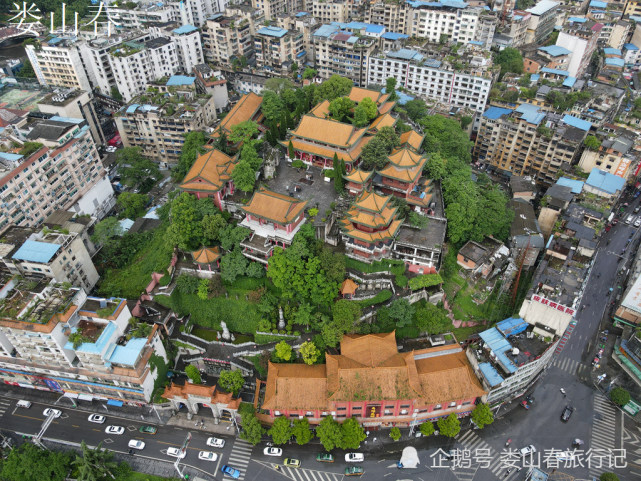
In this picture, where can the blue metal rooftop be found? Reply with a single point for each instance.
(569, 82)
(394, 36)
(326, 30)
(630, 46)
(35, 251)
(534, 77)
(605, 181)
(100, 344)
(128, 354)
(512, 326)
(495, 113)
(499, 346)
(406, 54)
(576, 186)
(273, 32)
(555, 50)
(598, 4)
(576, 122)
(615, 62)
(577, 19)
(530, 113)
(301, 14)
(555, 71)
(490, 374)
(178, 80)
(70, 120)
(185, 29)
(10, 157)
(612, 51)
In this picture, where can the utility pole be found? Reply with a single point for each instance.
(182, 451)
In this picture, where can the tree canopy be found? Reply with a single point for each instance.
(340, 108)
(510, 60)
(231, 381)
(482, 415)
(106, 229)
(132, 205)
(449, 426)
(191, 149)
(374, 154)
(333, 87)
(31, 463)
(364, 112)
(134, 167)
(281, 430)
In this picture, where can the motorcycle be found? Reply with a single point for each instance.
(507, 443)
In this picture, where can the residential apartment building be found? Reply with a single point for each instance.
(211, 82)
(632, 7)
(328, 11)
(542, 21)
(196, 12)
(187, 40)
(467, 85)
(225, 39)
(580, 38)
(519, 21)
(64, 172)
(274, 8)
(58, 255)
(158, 126)
(145, 13)
(452, 20)
(302, 23)
(529, 141)
(341, 53)
(392, 15)
(242, 12)
(135, 65)
(55, 338)
(57, 62)
(615, 155)
(275, 49)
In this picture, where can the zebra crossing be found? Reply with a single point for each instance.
(301, 474)
(4, 405)
(571, 366)
(603, 429)
(472, 442)
(240, 455)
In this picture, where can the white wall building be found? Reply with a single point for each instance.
(452, 20)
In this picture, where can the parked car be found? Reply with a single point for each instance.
(96, 418)
(216, 442)
(528, 450)
(354, 471)
(229, 471)
(567, 412)
(637, 209)
(272, 451)
(629, 219)
(115, 430)
(525, 404)
(176, 452)
(207, 456)
(148, 429)
(354, 457)
(23, 404)
(637, 223)
(291, 463)
(56, 412)
(325, 458)
(136, 444)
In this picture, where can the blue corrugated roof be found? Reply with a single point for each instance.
(132, 108)
(273, 31)
(100, 344)
(555, 71)
(495, 113)
(440, 4)
(530, 113)
(70, 120)
(301, 14)
(432, 62)
(577, 19)
(394, 36)
(555, 50)
(534, 77)
(126, 224)
(512, 326)
(185, 29)
(598, 4)
(576, 122)
(300, 54)
(128, 354)
(542, 7)
(630, 46)
(576, 186)
(611, 51)
(615, 62)
(605, 181)
(406, 54)
(569, 82)
(35, 251)
(325, 30)
(499, 346)
(10, 157)
(490, 374)
(177, 80)
(475, 42)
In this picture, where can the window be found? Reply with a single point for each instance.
(438, 407)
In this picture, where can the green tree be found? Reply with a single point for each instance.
(482, 415)
(252, 429)
(243, 131)
(620, 396)
(186, 230)
(345, 315)
(132, 205)
(591, 142)
(335, 86)
(231, 236)
(374, 155)
(339, 165)
(255, 270)
(303, 315)
(340, 108)
(352, 434)
(510, 60)
(390, 88)
(233, 265)
(333, 263)
(426, 428)
(278, 85)
(329, 433)
(222, 143)
(309, 73)
(435, 166)
(191, 149)
(193, 373)
(26, 71)
(28, 462)
(272, 106)
(244, 176)
(203, 289)
(283, 351)
(402, 312)
(115, 93)
(389, 137)
(309, 352)
(416, 109)
(231, 381)
(212, 227)
(495, 216)
(134, 167)
(94, 464)
(281, 430)
(449, 426)
(445, 136)
(106, 229)
(608, 477)
(302, 431)
(290, 150)
(395, 433)
(364, 112)
(431, 319)
(248, 154)
(465, 121)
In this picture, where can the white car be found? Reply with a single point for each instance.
(111, 148)
(528, 450)
(273, 452)
(216, 442)
(96, 418)
(637, 223)
(207, 456)
(56, 413)
(354, 457)
(136, 444)
(115, 430)
(176, 453)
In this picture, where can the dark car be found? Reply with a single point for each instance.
(229, 471)
(567, 412)
(530, 399)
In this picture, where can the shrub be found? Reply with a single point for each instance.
(426, 280)
(608, 477)
(193, 373)
(620, 396)
(377, 299)
(395, 433)
(298, 164)
(401, 281)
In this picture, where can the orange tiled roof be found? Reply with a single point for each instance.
(385, 120)
(375, 220)
(371, 237)
(328, 132)
(246, 108)
(404, 165)
(413, 139)
(357, 94)
(206, 255)
(348, 287)
(321, 110)
(296, 386)
(278, 208)
(358, 176)
(210, 172)
(371, 201)
(386, 107)
(328, 152)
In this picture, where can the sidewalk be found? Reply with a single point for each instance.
(224, 427)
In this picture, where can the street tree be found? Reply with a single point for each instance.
(231, 381)
(395, 433)
(390, 88)
(94, 464)
(131, 205)
(608, 477)
(283, 351)
(252, 429)
(28, 462)
(281, 430)
(620, 396)
(449, 426)
(106, 229)
(352, 434)
(134, 167)
(193, 373)
(309, 352)
(329, 433)
(427, 428)
(302, 431)
(482, 415)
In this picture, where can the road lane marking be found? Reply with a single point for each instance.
(99, 430)
(29, 417)
(75, 426)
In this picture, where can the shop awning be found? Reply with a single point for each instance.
(113, 402)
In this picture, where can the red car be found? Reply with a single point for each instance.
(525, 404)
(608, 227)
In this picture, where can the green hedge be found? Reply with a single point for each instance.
(426, 280)
(377, 299)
